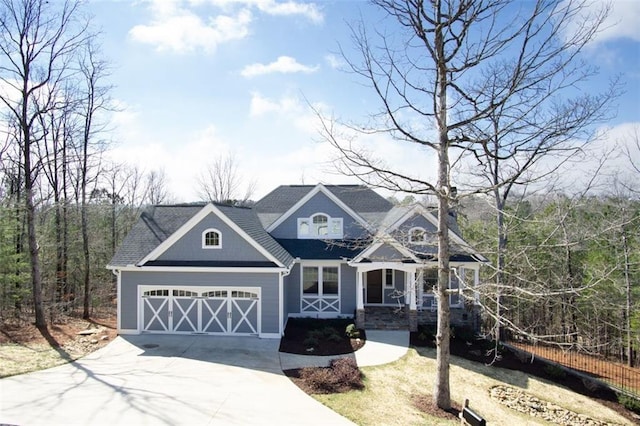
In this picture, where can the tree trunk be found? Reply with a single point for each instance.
(442, 391)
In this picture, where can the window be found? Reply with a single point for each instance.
(156, 293)
(417, 236)
(215, 293)
(211, 239)
(320, 226)
(184, 293)
(310, 280)
(430, 281)
(320, 280)
(243, 294)
(388, 278)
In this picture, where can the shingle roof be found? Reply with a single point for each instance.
(157, 223)
(154, 225)
(361, 199)
(321, 249)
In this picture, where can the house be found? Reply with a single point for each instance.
(302, 251)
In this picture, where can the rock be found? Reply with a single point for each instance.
(88, 332)
(525, 403)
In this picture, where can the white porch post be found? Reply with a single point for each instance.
(359, 291)
(411, 290)
(360, 315)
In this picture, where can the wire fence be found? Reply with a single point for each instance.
(604, 368)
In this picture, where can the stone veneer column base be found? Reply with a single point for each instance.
(413, 320)
(360, 318)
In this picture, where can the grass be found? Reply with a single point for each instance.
(390, 389)
(20, 359)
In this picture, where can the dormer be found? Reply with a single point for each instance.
(320, 226)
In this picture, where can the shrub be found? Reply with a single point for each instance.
(629, 402)
(311, 342)
(352, 332)
(346, 370)
(463, 333)
(342, 375)
(555, 371)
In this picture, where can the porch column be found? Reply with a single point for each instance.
(359, 300)
(410, 290)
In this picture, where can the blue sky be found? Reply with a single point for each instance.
(196, 79)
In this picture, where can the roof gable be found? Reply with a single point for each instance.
(360, 202)
(288, 196)
(403, 218)
(160, 228)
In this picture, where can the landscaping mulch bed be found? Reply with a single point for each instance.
(308, 336)
(342, 375)
(425, 404)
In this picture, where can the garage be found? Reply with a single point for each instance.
(200, 310)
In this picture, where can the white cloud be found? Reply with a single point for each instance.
(276, 8)
(180, 30)
(261, 106)
(334, 61)
(623, 20)
(284, 65)
(184, 26)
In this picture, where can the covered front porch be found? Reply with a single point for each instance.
(399, 295)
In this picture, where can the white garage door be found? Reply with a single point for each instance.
(207, 310)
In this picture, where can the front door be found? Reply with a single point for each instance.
(374, 286)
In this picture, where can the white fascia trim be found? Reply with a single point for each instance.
(197, 218)
(397, 266)
(128, 331)
(201, 269)
(320, 188)
(324, 262)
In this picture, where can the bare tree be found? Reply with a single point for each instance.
(93, 100)
(445, 71)
(37, 39)
(156, 187)
(222, 183)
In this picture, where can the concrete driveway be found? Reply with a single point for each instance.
(170, 380)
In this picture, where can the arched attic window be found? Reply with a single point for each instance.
(211, 239)
(417, 235)
(320, 226)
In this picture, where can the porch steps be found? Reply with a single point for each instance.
(385, 318)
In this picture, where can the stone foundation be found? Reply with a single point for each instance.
(360, 318)
(413, 319)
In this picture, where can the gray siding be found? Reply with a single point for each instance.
(266, 281)
(386, 253)
(292, 284)
(234, 247)
(319, 203)
(347, 290)
(401, 234)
